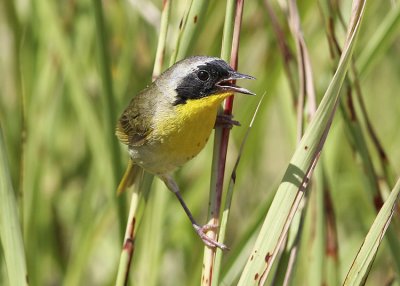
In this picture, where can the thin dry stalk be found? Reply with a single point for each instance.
(129, 238)
(222, 145)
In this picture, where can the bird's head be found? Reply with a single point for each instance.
(201, 76)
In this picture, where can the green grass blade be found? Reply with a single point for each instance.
(10, 228)
(140, 192)
(305, 94)
(110, 116)
(221, 137)
(190, 29)
(386, 33)
(238, 255)
(139, 199)
(85, 110)
(361, 266)
(290, 190)
(228, 30)
(162, 38)
(332, 256)
(150, 240)
(128, 247)
(372, 179)
(316, 239)
(228, 199)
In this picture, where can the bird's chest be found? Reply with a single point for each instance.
(178, 135)
(183, 136)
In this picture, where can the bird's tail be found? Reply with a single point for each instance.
(129, 177)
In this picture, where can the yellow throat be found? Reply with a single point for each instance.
(184, 134)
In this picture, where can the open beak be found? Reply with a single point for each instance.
(227, 85)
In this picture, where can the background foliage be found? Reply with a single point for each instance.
(53, 114)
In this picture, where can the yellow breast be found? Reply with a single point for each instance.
(181, 136)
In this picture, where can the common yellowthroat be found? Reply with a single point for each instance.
(169, 122)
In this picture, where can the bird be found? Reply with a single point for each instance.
(169, 122)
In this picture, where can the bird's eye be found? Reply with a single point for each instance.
(203, 75)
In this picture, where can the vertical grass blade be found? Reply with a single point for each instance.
(10, 228)
(137, 205)
(387, 32)
(306, 93)
(228, 200)
(361, 266)
(331, 243)
(230, 48)
(296, 178)
(316, 240)
(190, 27)
(159, 61)
(110, 116)
(129, 242)
(147, 179)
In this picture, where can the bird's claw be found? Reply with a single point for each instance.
(202, 230)
(226, 121)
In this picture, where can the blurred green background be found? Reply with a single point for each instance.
(53, 116)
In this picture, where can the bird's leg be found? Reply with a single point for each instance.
(200, 230)
(226, 121)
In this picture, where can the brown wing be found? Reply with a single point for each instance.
(129, 132)
(134, 125)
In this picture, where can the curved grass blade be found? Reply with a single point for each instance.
(10, 228)
(237, 258)
(356, 118)
(300, 168)
(361, 266)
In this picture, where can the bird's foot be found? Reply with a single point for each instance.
(226, 121)
(202, 230)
